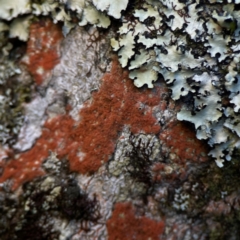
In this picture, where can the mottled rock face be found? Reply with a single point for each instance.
(100, 131)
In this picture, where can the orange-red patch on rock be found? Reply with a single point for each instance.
(42, 49)
(125, 225)
(182, 141)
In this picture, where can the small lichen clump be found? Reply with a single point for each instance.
(195, 47)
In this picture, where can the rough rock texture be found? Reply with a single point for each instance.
(85, 154)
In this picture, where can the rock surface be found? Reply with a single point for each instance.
(85, 154)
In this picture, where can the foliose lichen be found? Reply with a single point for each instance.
(195, 46)
(70, 13)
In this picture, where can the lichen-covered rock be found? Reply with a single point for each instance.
(98, 158)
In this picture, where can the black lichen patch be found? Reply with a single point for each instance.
(73, 203)
(139, 166)
(37, 228)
